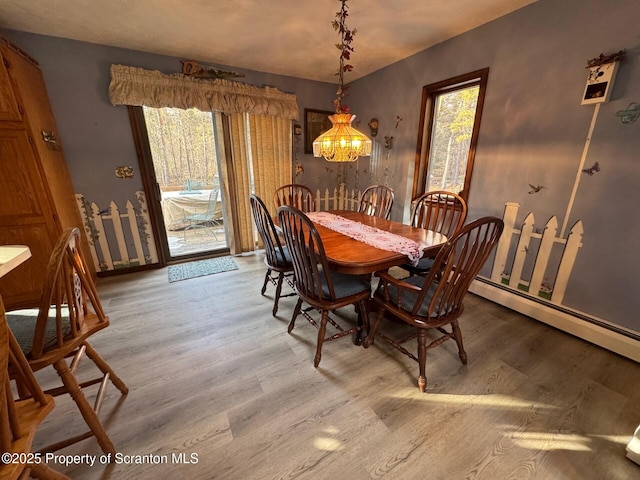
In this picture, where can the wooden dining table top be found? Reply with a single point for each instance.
(11, 256)
(347, 255)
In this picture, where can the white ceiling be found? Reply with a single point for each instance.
(288, 37)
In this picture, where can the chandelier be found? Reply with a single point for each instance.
(342, 143)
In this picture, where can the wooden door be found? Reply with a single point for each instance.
(26, 217)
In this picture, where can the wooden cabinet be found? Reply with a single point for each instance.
(37, 199)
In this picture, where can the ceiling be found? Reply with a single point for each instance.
(287, 37)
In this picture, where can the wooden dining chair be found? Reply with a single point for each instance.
(376, 200)
(435, 301)
(317, 284)
(295, 195)
(277, 256)
(440, 211)
(19, 420)
(69, 313)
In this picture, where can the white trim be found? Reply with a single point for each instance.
(603, 337)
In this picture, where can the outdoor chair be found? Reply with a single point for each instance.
(209, 220)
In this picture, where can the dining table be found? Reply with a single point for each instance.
(11, 256)
(346, 254)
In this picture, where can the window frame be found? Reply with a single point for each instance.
(425, 129)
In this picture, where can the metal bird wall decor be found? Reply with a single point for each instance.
(535, 188)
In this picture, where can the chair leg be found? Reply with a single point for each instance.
(422, 359)
(372, 332)
(278, 291)
(266, 281)
(321, 332)
(88, 413)
(457, 335)
(105, 368)
(363, 322)
(213, 224)
(296, 312)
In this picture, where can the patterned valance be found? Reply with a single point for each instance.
(151, 88)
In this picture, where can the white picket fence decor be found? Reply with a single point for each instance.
(123, 239)
(117, 239)
(339, 199)
(511, 273)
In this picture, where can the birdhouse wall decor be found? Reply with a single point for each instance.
(602, 74)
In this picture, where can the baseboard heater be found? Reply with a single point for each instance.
(591, 329)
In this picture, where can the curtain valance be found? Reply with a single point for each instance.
(137, 86)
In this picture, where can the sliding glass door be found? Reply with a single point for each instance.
(186, 169)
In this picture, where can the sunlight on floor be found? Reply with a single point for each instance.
(328, 444)
(559, 441)
(487, 400)
(530, 440)
(551, 441)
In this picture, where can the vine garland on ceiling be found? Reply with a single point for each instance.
(346, 37)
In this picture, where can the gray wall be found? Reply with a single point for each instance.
(96, 136)
(533, 129)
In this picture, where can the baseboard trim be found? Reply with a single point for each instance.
(592, 330)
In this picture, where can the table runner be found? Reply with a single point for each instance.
(370, 235)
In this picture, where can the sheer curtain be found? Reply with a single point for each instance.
(253, 130)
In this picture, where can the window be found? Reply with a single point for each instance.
(448, 133)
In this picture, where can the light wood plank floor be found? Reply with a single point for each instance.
(212, 374)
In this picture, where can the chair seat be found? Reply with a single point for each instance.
(408, 300)
(345, 285)
(284, 258)
(23, 325)
(424, 265)
(198, 217)
(20, 321)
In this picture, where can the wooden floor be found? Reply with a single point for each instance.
(215, 377)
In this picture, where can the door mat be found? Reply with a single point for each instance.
(200, 268)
